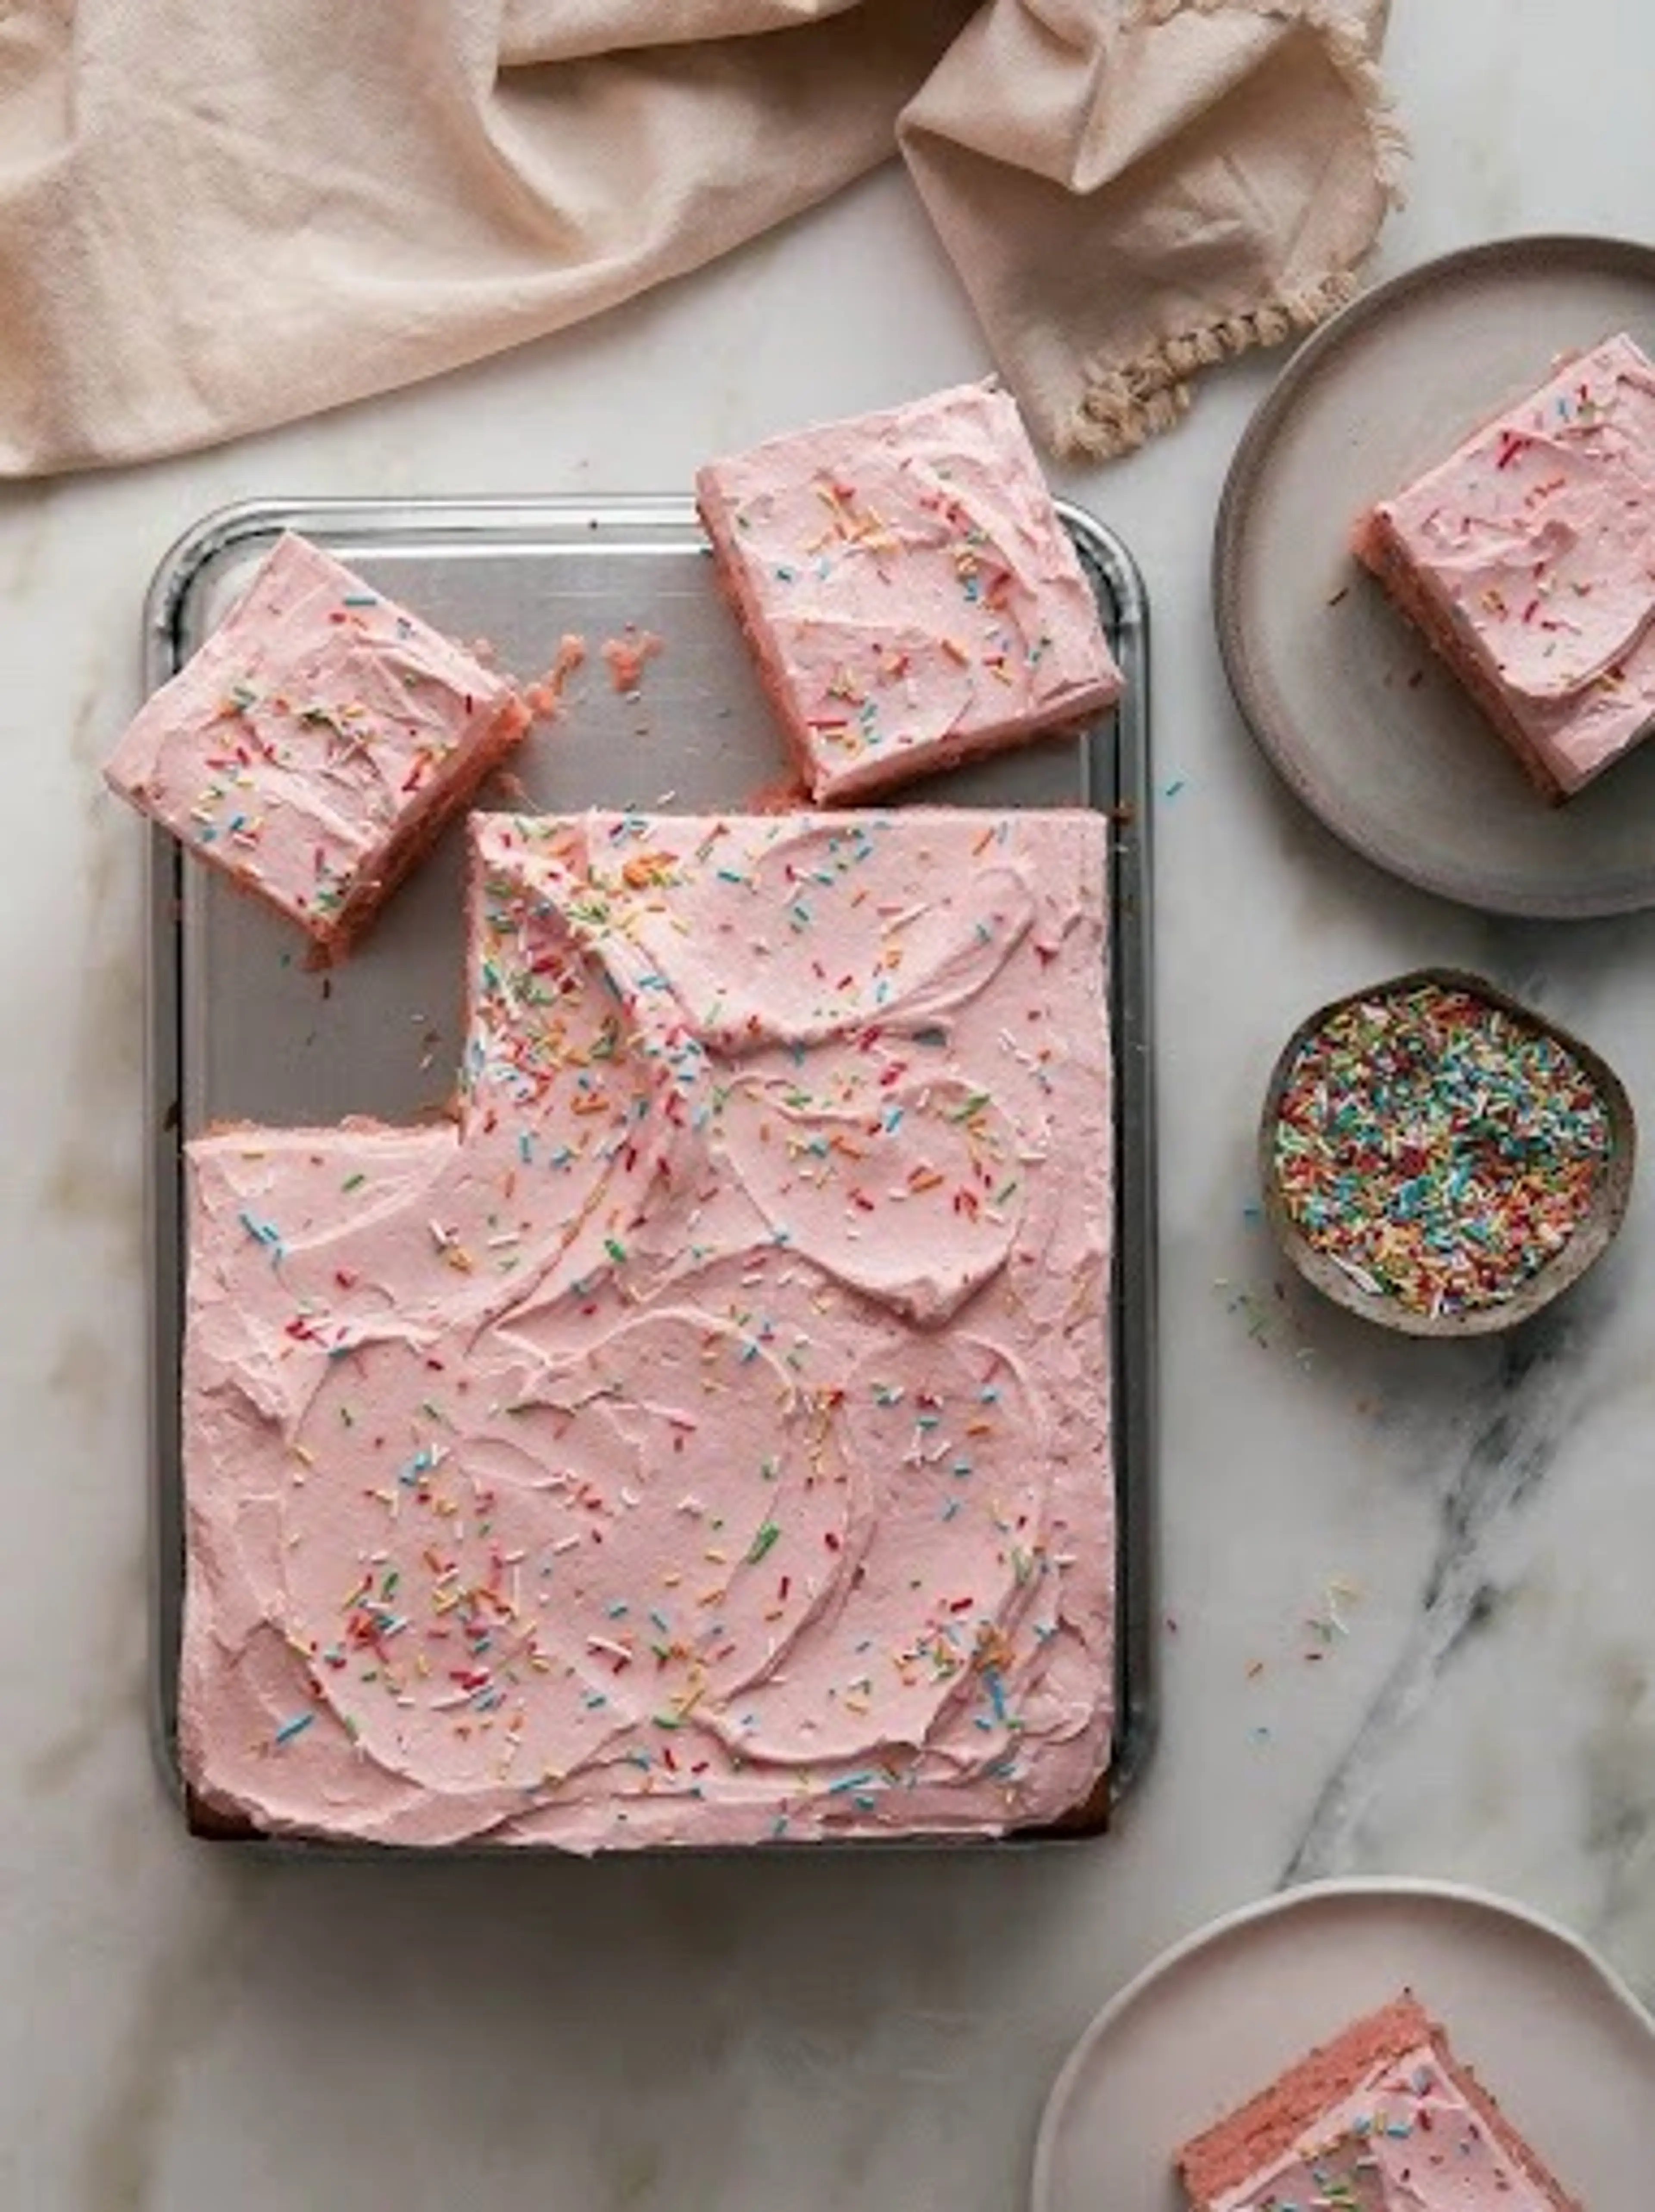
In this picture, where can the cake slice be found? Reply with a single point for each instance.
(910, 595)
(315, 745)
(1527, 558)
(1382, 2117)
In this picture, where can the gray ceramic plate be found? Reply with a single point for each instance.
(1363, 723)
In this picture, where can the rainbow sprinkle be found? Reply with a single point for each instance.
(1437, 1148)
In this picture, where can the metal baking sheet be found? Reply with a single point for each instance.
(241, 1029)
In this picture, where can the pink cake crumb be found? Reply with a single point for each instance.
(544, 695)
(782, 794)
(909, 593)
(317, 743)
(629, 655)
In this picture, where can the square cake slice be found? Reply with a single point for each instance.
(1527, 558)
(1383, 2115)
(315, 745)
(910, 595)
(705, 1437)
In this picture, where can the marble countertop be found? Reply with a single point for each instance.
(188, 2026)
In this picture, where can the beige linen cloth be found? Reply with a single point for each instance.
(217, 214)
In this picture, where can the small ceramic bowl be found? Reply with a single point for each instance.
(1590, 1236)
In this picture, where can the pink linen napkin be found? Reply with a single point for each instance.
(214, 219)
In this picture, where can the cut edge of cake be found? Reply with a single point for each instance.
(1380, 548)
(415, 835)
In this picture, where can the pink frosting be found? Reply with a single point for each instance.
(1407, 2140)
(706, 1440)
(913, 597)
(317, 725)
(1537, 537)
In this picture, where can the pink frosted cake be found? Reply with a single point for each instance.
(317, 743)
(909, 593)
(706, 1440)
(1528, 560)
(1384, 2118)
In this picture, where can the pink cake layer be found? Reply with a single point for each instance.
(911, 599)
(704, 1438)
(318, 742)
(1527, 559)
(1383, 2118)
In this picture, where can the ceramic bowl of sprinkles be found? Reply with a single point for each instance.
(1439, 1158)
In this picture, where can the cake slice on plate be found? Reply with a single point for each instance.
(1384, 2118)
(1527, 558)
(318, 742)
(909, 592)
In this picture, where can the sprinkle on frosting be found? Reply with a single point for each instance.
(1437, 1147)
(707, 1439)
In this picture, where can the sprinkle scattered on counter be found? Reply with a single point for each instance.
(1329, 1627)
(1437, 1148)
(1261, 1315)
(1315, 1637)
(1253, 1312)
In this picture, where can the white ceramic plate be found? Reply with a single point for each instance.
(1557, 2038)
(1364, 723)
